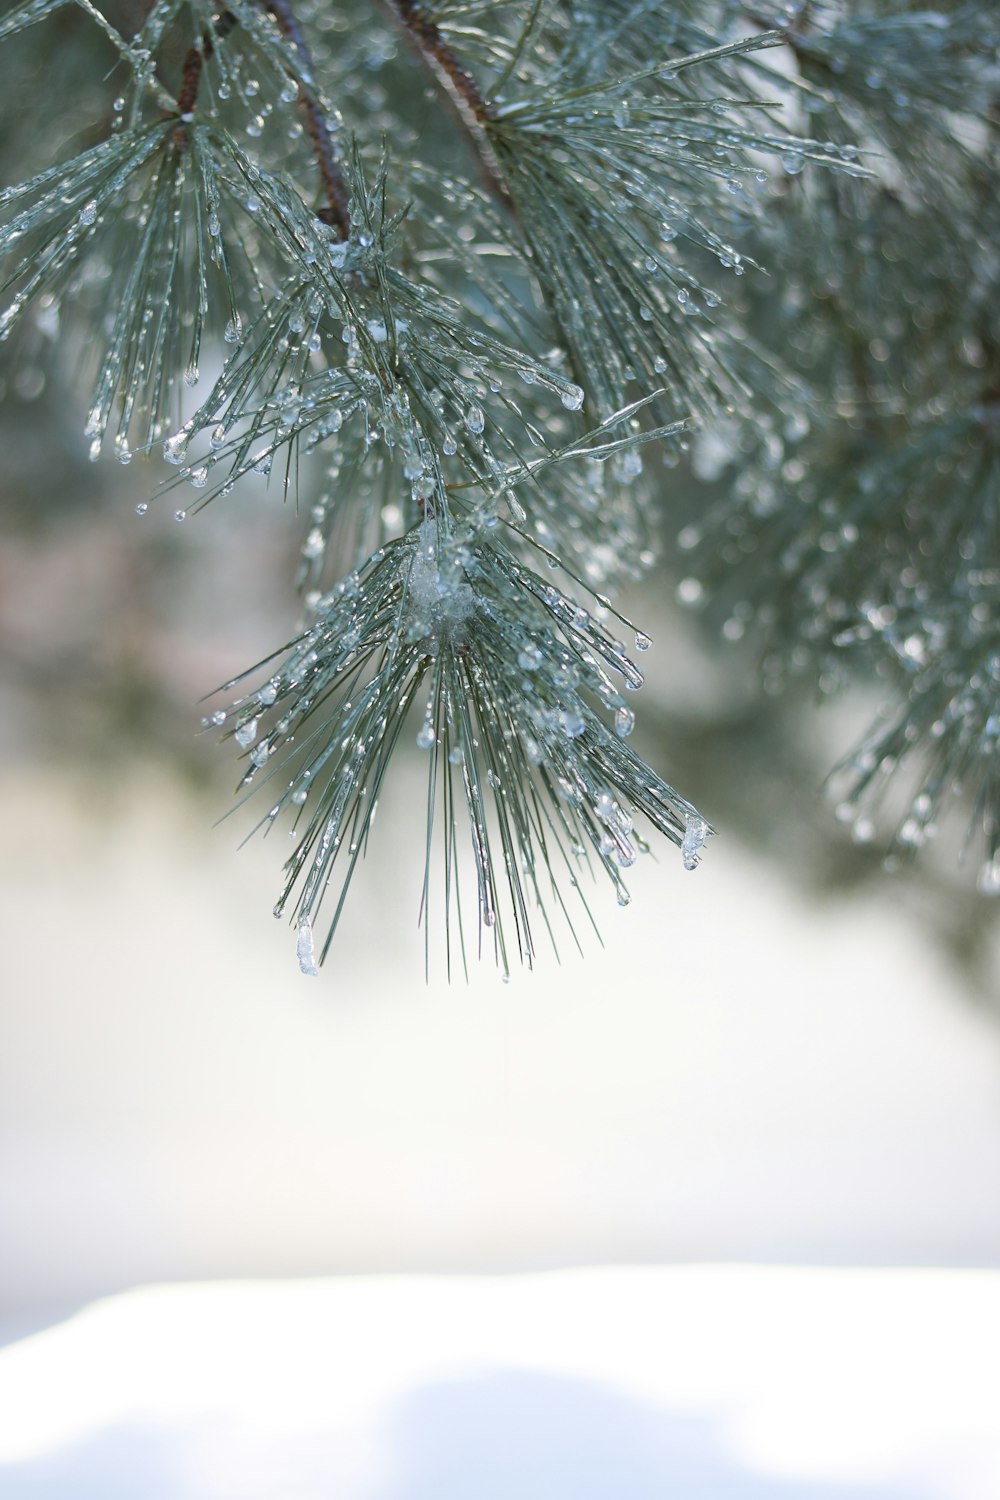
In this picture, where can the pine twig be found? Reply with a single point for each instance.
(192, 69)
(458, 87)
(336, 210)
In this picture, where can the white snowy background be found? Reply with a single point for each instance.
(709, 1213)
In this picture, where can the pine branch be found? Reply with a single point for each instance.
(479, 389)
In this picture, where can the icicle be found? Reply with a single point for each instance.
(305, 949)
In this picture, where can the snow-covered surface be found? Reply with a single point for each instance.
(718, 1383)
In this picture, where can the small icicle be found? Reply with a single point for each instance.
(694, 842)
(305, 950)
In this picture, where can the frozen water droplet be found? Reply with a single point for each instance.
(425, 735)
(233, 330)
(141, 508)
(180, 515)
(199, 478)
(642, 641)
(572, 398)
(475, 421)
(530, 658)
(192, 375)
(88, 212)
(571, 722)
(246, 734)
(219, 717)
(267, 694)
(624, 722)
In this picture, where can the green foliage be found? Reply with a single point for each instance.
(473, 273)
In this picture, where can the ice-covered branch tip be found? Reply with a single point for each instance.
(520, 711)
(439, 599)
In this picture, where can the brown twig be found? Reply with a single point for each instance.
(458, 87)
(336, 209)
(191, 71)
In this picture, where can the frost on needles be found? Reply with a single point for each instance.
(474, 274)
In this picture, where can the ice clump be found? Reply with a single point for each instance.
(305, 949)
(693, 845)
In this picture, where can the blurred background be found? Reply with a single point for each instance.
(788, 1060)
